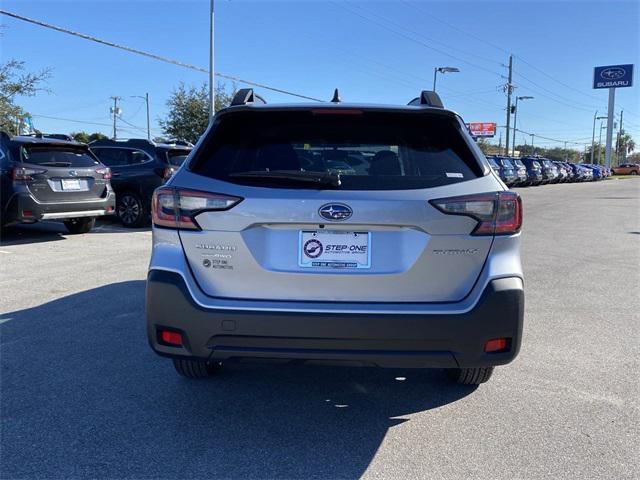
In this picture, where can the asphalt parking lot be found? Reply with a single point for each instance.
(82, 395)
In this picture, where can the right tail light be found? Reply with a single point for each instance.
(497, 213)
(177, 207)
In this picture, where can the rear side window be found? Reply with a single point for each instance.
(120, 157)
(368, 150)
(57, 156)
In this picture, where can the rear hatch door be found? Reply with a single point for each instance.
(374, 237)
(63, 173)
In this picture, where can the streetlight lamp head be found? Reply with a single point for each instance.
(526, 97)
(448, 69)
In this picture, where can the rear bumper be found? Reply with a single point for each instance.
(442, 340)
(23, 208)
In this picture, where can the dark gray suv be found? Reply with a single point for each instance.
(52, 179)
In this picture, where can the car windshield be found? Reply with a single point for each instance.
(367, 150)
(57, 156)
(506, 163)
(177, 157)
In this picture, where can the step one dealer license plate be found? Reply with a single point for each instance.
(334, 249)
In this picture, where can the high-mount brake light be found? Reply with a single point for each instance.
(105, 172)
(497, 213)
(336, 111)
(23, 174)
(177, 207)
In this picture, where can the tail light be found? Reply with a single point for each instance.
(177, 207)
(498, 213)
(105, 172)
(23, 174)
(167, 172)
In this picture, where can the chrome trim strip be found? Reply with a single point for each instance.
(85, 213)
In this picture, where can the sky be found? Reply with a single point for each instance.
(374, 52)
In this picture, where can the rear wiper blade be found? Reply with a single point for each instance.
(56, 164)
(318, 178)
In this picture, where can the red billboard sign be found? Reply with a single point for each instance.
(482, 129)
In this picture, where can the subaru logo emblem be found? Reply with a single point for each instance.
(613, 73)
(73, 173)
(335, 211)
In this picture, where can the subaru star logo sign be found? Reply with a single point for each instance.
(335, 211)
(613, 76)
(613, 73)
(73, 173)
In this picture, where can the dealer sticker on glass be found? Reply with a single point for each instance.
(334, 249)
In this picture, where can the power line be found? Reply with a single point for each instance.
(412, 39)
(152, 55)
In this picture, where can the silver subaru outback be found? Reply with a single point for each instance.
(333, 232)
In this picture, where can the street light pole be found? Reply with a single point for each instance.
(146, 99)
(442, 70)
(600, 142)
(212, 90)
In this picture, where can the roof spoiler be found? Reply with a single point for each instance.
(427, 98)
(246, 96)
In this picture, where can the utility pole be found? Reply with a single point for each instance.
(533, 149)
(116, 111)
(509, 88)
(212, 89)
(566, 155)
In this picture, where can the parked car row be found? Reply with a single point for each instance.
(49, 177)
(535, 170)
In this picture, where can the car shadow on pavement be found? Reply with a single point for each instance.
(83, 396)
(35, 233)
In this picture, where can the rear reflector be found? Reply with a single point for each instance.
(496, 345)
(27, 213)
(171, 338)
(177, 207)
(497, 213)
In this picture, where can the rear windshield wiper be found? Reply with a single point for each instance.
(296, 176)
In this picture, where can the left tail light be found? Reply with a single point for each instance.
(23, 174)
(177, 207)
(105, 172)
(498, 213)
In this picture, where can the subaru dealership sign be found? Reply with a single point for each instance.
(613, 76)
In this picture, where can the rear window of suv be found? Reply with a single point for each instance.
(177, 157)
(367, 150)
(57, 156)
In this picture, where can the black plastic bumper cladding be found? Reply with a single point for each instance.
(387, 340)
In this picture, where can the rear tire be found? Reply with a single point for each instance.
(80, 225)
(633, 172)
(470, 376)
(193, 368)
(131, 210)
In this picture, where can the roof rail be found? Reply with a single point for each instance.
(427, 98)
(246, 96)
